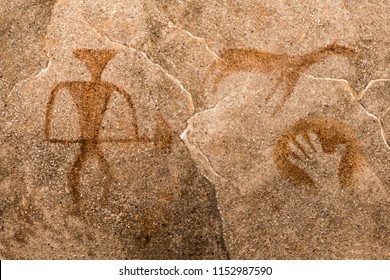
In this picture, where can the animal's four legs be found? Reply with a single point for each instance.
(290, 81)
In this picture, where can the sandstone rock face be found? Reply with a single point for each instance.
(194, 129)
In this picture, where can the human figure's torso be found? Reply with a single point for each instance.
(91, 99)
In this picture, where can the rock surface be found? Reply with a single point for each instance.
(194, 129)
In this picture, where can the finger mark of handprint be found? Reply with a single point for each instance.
(301, 147)
(294, 160)
(322, 167)
(331, 148)
(314, 141)
(307, 145)
(308, 138)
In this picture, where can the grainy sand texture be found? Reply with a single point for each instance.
(148, 129)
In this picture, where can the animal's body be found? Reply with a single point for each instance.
(286, 68)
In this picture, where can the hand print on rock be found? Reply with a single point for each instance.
(91, 99)
(307, 154)
(287, 68)
(296, 153)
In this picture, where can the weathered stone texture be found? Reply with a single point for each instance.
(194, 129)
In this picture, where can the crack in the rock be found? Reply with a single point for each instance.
(176, 81)
(356, 97)
(26, 80)
(344, 81)
(208, 171)
(379, 122)
(47, 62)
(219, 176)
(372, 115)
(171, 77)
(370, 84)
(191, 147)
(174, 26)
(207, 163)
(324, 78)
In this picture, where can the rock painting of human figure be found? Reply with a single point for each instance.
(91, 99)
(286, 68)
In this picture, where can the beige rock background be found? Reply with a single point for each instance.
(228, 129)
